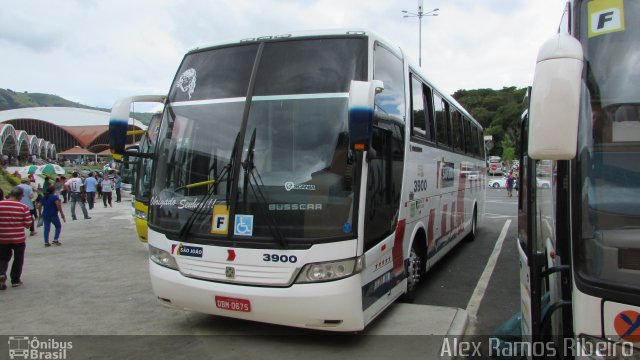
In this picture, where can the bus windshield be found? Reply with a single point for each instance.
(147, 145)
(288, 145)
(609, 153)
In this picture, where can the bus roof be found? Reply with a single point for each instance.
(370, 34)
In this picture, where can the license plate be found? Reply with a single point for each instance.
(233, 304)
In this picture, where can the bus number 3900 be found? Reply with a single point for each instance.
(279, 258)
(419, 185)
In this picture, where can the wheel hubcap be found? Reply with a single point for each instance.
(413, 270)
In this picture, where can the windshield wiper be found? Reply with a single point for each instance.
(198, 212)
(250, 172)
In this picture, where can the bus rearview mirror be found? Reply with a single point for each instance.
(361, 108)
(119, 121)
(555, 99)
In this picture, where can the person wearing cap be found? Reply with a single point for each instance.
(75, 188)
(510, 181)
(14, 218)
(27, 199)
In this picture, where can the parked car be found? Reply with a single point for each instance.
(543, 183)
(498, 183)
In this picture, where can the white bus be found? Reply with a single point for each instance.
(306, 180)
(580, 239)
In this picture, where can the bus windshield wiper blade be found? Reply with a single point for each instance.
(186, 228)
(197, 213)
(250, 172)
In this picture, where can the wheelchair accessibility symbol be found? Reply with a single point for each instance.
(244, 225)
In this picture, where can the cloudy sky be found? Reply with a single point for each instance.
(96, 51)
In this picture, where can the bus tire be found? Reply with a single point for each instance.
(415, 268)
(474, 226)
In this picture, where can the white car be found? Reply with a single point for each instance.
(497, 183)
(501, 183)
(543, 183)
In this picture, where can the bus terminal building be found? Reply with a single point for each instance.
(54, 133)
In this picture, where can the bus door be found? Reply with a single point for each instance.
(530, 307)
(543, 249)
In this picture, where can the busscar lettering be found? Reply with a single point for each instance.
(295, 207)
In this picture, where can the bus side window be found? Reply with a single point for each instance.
(430, 123)
(456, 131)
(442, 121)
(467, 136)
(474, 140)
(480, 143)
(418, 122)
(389, 69)
(386, 152)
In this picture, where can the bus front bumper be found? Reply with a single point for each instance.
(334, 305)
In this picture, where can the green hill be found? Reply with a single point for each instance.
(10, 100)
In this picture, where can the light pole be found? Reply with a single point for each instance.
(419, 15)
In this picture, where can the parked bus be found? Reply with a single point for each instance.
(142, 184)
(579, 240)
(135, 166)
(306, 180)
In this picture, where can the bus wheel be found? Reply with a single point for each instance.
(474, 225)
(414, 270)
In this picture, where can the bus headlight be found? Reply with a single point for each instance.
(162, 258)
(142, 215)
(329, 271)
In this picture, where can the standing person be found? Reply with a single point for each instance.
(57, 185)
(14, 218)
(76, 194)
(118, 185)
(45, 184)
(510, 181)
(99, 180)
(50, 209)
(106, 192)
(63, 191)
(27, 199)
(1, 194)
(90, 184)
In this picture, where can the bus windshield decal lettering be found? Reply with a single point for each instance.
(301, 96)
(262, 98)
(294, 207)
(182, 203)
(290, 185)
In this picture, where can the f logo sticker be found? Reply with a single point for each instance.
(605, 16)
(220, 220)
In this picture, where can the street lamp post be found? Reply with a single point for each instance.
(419, 15)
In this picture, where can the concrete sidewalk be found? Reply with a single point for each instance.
(97, 283)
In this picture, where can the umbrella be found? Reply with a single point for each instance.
(51, 169)
(28, 170)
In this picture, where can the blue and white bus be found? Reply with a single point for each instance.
(307, 180)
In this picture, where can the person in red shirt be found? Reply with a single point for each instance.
(14, 218)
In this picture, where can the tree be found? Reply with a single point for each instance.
(498, 111)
